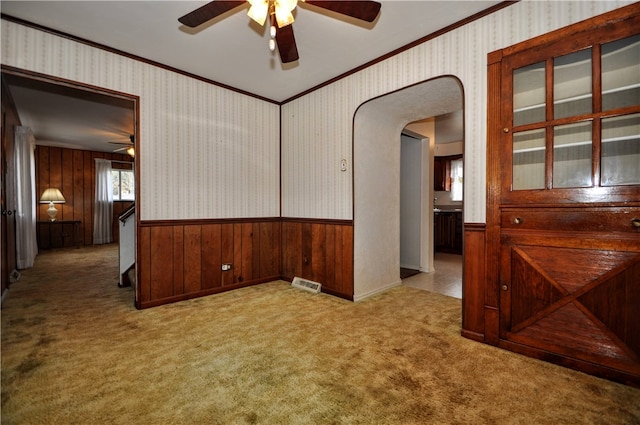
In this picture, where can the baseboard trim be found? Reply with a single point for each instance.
(158, 302)
(385, 288)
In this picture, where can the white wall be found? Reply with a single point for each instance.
(204, 151)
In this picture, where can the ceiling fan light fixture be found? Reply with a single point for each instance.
(283, 12)
(259, 10)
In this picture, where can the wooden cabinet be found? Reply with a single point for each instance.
(448, 231)
(58, 233)
(563, 205)
(441, 173)
(570, 285)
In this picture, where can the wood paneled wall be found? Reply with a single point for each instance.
(73, 172)
(473, 281)
(181, 260)
(319, 251)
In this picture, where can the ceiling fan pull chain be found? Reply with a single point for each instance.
(272, 40)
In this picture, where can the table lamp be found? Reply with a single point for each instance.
(52, 196)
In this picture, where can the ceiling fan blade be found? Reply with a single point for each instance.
(131, 141)
(286, 44)
(208, 11)
(364, 10)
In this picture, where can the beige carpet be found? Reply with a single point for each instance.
(75, 351)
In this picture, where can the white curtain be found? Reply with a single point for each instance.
(103, 210)
(23, 187)
(456, 180)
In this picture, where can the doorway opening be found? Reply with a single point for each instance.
(445, 135)
(378, 125)
(76, 126)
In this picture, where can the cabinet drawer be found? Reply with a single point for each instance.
(573, 219)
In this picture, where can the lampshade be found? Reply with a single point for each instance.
(131, 151)
(52, 195)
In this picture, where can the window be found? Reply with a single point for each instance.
(456, 180)
(123, 185)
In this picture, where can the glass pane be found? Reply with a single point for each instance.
(115, 178)
(621, 150)
(529, 94)
(127, 186)
(572, 84)
(572, 155)
(621, 73)
(528, 160)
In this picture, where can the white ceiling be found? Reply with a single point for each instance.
(232, 49)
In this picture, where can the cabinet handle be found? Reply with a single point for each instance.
(635, 222)
(516, 220)
(505, 130)
(505, 287)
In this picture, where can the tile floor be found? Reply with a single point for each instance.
(446, 279)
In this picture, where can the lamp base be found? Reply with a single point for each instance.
(52, 211)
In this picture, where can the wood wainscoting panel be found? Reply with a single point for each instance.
(178, 258)
(319, 250)
(226, 255)
(183, 259)
(211, 256)
(73, 172)
(473, 281)
(192, 252)
(161, 251)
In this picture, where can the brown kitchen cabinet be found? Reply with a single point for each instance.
(447, 231)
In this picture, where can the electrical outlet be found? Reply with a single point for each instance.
(226, 267)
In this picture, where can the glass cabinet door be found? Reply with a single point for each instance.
(589, 134)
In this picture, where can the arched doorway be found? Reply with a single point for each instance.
(377, 126)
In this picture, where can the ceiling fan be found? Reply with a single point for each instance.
(129, 146)
(281, 18)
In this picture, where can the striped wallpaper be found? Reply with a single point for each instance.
(317, 128)
(205, 151)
